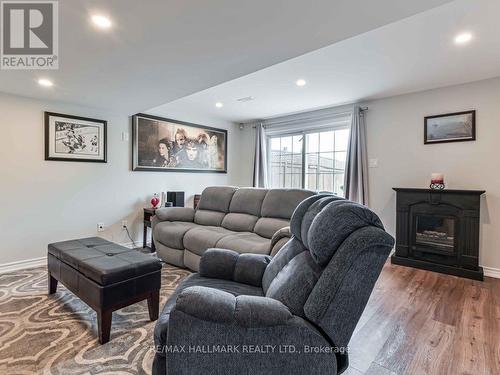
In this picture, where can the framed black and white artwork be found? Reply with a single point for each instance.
(166, 145)
(74, 138)
(451, 127)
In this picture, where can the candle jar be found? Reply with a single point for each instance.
(437, 181)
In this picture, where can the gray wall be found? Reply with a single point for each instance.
(44, 201)
(395, 137)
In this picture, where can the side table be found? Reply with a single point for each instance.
(148, 213)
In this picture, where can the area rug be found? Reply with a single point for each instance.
(41, 334)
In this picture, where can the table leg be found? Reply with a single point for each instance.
(104, 318)
(52, 284)
(154, 304)
(145, 236)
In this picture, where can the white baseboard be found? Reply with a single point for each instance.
(491, 272)
(23, 264)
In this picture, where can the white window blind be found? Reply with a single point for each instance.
(309, 150)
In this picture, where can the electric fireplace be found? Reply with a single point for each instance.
(438, 231)
(435, 232)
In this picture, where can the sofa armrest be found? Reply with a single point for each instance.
(279, 239)
(217, 306)
(175, 214)
(230, 265)
(282, 233)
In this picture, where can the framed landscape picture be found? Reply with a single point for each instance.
(74, 138)
(451, 127)
(161, 144)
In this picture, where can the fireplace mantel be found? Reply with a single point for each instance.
(444, 191)
(438, 230)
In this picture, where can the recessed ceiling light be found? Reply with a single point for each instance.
(300, 82)
(463, 38)
(219, 105)
(45, 82)
(100, 21)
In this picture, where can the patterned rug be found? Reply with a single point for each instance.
(41, 334)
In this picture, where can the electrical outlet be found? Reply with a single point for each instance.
(100, 227)
(124, 224)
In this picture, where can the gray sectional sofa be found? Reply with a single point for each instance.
(246, 220)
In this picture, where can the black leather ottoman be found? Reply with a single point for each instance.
(105, 276)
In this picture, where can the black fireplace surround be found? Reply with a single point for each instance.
(438, 230)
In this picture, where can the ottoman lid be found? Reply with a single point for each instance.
(103, 261)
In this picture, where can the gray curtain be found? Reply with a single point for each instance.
(356, 171)
(260, 160)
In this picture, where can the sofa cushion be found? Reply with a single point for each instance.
(171, 233)
(248, 201)
(268, 226)
(344, 217)
(236, 289)
(175, 214)
(216, 198)
(191, 260)
(239, 222)
(245, 242)
(207, 217)
(197, 240)
(294, 283)
(280, 260)
(169, 254)
(227, 264)
(281, 203)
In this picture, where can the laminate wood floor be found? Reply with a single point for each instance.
(421, 322)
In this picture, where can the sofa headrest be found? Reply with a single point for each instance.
(280, 203)
(306, 211)
(333, 223)
(248, 201)
(216, 198)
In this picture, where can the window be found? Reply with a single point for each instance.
(314, 161)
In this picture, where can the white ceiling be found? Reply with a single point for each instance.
(162, 50)
(413, 54)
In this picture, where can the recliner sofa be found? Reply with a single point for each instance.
(246, 220)
(290, 314)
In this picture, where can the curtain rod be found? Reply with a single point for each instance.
(363, 109)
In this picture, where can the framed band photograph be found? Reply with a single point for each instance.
(75, 138)
(166, 145)
(451, 127)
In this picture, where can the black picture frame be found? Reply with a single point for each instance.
(102, 156)
(451, 138)
(135, 147)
